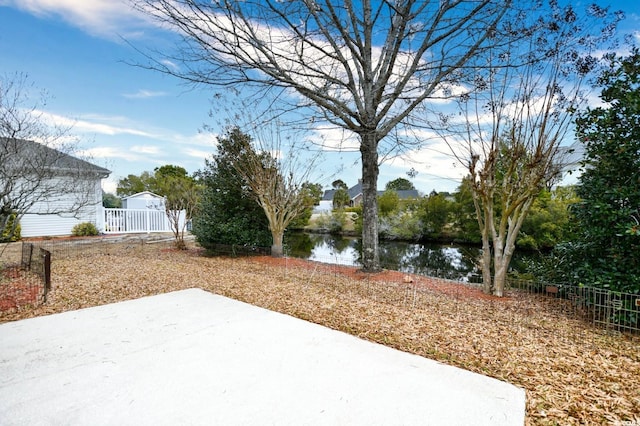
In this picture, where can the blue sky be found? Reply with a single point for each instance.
(132, 120)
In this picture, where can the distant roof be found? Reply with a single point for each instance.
(143, 194)
(328, 194)
(404, 194)
(356, 190)
(14, 151)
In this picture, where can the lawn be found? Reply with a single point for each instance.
(572, 373)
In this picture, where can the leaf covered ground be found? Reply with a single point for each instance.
(572, 373)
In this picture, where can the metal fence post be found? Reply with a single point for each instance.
(27, 253)
(46, 270)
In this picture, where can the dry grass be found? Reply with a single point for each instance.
(572, 373)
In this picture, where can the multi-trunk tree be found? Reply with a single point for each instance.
(181, 194)
(512, 130)
(181, 197)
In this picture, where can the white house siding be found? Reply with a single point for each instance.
(38, 226)
(38, 223)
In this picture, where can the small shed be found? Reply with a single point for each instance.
(143, 200)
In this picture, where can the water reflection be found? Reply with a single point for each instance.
(324, 248)
(447, 261)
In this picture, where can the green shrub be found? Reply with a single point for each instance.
(357, 218)
(333, 223)
(403, 225)
(527, 242)
(11, 232)
(84, 229)
(388, 203)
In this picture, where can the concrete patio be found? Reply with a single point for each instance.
(192, 357)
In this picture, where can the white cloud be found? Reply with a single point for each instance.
(146, 149)
(105, 129)
(197, 153)
(434, 162)
(105, 152)
(170, 64)
(93, 124)
(332, 138)
(105, 18)
(110, 185)
(99, 126)
(144, 94)
(199, 139)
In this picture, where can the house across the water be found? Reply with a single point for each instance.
(355, 197)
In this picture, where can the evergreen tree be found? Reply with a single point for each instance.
(312, 197)
(341, 198)
(435, 212)
(400, 184)
(607, 253)
(228, 212)
(133, 184)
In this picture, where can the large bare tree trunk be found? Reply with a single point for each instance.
(277, 249)
(277, 221)
(501, 267)
(484, 217)
(500, 276)
(370, 170)
(486, 262)
(506, 241)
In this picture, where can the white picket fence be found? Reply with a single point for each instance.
(117, 221)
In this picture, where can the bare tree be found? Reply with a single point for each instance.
(37, 173)
(362, 66)
(515, 129)
(181, 194)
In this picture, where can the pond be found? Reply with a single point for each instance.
(451, 261)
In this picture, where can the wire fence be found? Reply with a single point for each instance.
(28, 281)
(62, 248)
(25, 277)
(237, 250)
(37, 260)
(26, 267)
(613, 311)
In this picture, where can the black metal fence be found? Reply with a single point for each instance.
(607, 309)
(237, 250)
(105, 245)
(37, 260)
(25, 276)
(610, 310)
(613, 311)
